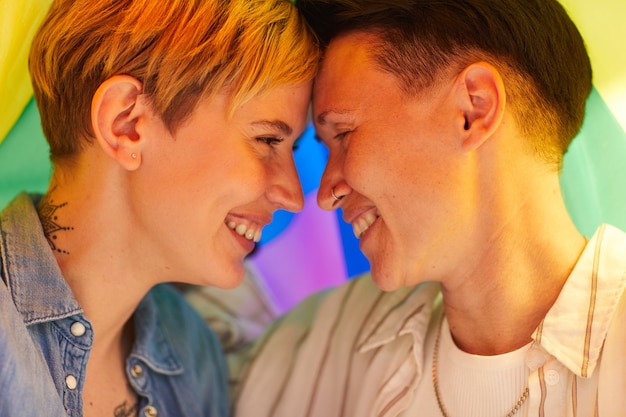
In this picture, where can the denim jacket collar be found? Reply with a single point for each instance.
(153, 344)
(41, 294)
(38, 288)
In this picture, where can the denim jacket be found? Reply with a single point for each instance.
(176, 365)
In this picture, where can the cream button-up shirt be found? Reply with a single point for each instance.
(358, 351)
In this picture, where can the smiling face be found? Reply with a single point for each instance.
(205, 193)
(396, 161)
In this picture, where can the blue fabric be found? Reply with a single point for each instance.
(184, 370)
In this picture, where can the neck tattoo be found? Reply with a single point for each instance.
(126, 410)
(48, 211)
(442, 408)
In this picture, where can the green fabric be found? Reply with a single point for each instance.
(594, 170)
(24, 163)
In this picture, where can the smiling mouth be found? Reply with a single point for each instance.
(362, 223)
(250, 232)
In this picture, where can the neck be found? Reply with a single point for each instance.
(95, 254)
(529, 247)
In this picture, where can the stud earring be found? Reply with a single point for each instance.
(133, 155)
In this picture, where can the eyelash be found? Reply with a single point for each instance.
(338, 137)
(341, 136)
(269, 140)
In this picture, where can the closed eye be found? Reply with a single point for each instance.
(342, 135)
(270, 140)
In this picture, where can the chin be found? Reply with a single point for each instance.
(385, 281)
(230, 284)
(224, 276)
(230, 280)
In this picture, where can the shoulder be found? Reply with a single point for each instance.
(23, 368)
(356, 301)
(612, 377)
(322, 311)
(319, 336)
(609, 264)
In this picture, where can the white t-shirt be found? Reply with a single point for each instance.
(471, 385)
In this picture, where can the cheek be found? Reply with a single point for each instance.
(252, 169)
(214, 182)
(243, 178)
(371, 167)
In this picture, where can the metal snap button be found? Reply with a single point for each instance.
(77, 329)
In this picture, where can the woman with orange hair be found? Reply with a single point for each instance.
(171, 127)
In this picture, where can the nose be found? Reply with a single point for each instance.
(285, 190)
(333, 188)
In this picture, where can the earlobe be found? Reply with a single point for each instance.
(115, 111)
(483, 98)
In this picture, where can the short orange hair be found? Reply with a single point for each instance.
(181, 50)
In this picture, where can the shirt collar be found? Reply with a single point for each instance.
(406, 311)
(403, 311)
(575, 327)
(153, 342)
(33, 276)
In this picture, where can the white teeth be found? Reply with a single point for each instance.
(243, 230)
(360, 225)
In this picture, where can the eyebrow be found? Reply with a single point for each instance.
(283, 127)
(321, 118)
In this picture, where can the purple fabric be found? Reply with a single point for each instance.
(306, 257)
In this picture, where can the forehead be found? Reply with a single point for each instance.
(274, 99)
(349, 79)
(282, 110)
(347, 56)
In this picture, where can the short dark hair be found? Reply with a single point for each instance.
(533, 43)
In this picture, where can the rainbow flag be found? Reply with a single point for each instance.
(304, 252)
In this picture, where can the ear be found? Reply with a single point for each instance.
(115, 112)
(482, 98)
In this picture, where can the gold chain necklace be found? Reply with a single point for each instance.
(442, 408)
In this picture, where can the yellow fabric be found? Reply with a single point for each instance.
(603, 26)
(18, 23)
